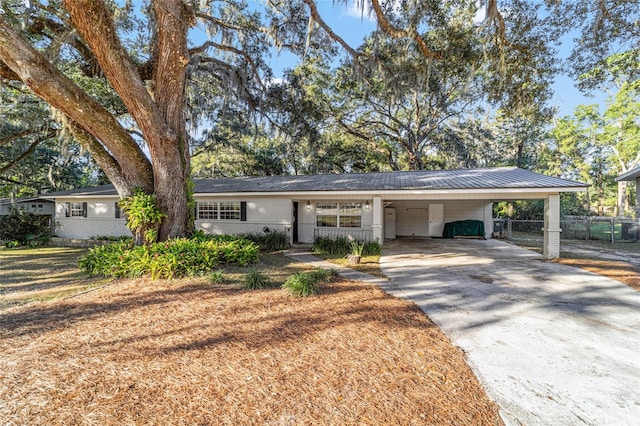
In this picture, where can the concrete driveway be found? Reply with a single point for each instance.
(552, 344)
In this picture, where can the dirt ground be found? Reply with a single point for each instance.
(619, 261)
(188, 352)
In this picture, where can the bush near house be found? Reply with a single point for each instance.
(24, 228)
(344, 246)
(169, 259)
(270, 241)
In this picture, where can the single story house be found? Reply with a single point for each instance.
(371, 206)
(37, 205)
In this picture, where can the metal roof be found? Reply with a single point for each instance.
(24, 200)
(471, 179)
(629, 176)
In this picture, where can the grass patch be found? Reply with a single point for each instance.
(368, 264)
(41, 274)
(305, 284)
(256, 280)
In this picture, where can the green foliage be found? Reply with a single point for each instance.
(24, 227)
(143, 216)
(217, 277)
(343, 246)
(169, 259)
(356, 247)
(270, 241)
(326, 245)
(372, 248)
(256, 280)
(304, 284)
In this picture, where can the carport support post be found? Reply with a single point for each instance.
(551, 249)
(378, 214)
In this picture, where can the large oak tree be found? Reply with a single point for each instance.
(167, 81)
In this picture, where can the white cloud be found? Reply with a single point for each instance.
(360, 9)
(480, 14)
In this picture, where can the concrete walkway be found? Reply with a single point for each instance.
(551, 344)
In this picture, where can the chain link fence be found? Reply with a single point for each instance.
(576, 228)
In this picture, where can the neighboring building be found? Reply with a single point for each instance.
(372, 206)
(37, 205)
(633, 175)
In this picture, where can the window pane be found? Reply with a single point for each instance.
(230, 210)
(77, 210)
(350, 209)
(350, 221)
(327, 221)
(207, 210)
(327, 208)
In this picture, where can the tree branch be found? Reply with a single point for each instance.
(313, 9)
(22, 156)
(10, 138)
(394, 32)
(47, 82)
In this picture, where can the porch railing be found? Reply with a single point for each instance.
(349, 233)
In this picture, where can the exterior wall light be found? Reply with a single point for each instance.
(308, 206)
(366, 205)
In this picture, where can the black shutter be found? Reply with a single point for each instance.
(67, 209)
(84, 209)
(243, 211)
(195, 211)
(118, 212)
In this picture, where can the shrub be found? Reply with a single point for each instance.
(326, 245)
(342, 246)
(304, 284)
(372, 249)
(174, 258)
(270, 241)
(356, 248)
(255, 280)
(217, 277)
(143, 216)
(24, 227)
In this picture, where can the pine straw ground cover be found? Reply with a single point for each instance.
(183, 352)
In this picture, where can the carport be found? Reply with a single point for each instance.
(420, 205)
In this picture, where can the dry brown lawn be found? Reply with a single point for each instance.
(624, 272)
(186, 352)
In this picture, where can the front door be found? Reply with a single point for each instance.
(436, 220)
(294, 223)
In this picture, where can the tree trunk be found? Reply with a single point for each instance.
(160, 117)
(170, 155)
(622, 204)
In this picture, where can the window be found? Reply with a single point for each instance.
(208, 210)
(222, 210)
(339, 215)
(327, 215)
(350, 215)
(229, 210)
(75, 209)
